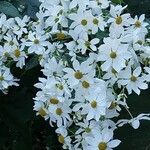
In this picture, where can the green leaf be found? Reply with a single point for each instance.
(9, 9)
(33, 62)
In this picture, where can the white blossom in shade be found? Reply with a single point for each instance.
(20, 26)
(113, 54)
(98, 23)
(102, 141)
(53, 68)
(75, 75)
(81, 4)
(85, 44)
(132, 80)
(18, 56)
(6, 78)
(86, 128)
(118, 21)
(94, 107)
(139, 25)
(63, 137)
(134, 122)
(81, 21)
(36, 43)
(41, 110)
(60, 113)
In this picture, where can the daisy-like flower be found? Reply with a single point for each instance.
(6, 78)
(75, 75)
(86, 128)
(134, 122)
(138, 24)
(55, 17)
(103, 3)
(53, 68)
(118, 21)
(81, 4)
(85, 44)
(20, 26)
(10, 40)
(98, 23)
(63, 137)
(102, 141)
(18, 56)
(41, 110)
(60, 113)
(113, 54)
(81, 21)
(132, 80)
(36, 43)
(95, 106)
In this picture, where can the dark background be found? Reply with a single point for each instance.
(20, 129)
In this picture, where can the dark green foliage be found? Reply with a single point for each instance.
(19, 8)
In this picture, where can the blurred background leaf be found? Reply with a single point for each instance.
(9, 9)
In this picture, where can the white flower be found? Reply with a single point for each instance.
(139, 25)
(118, 21)
(36, 43)
(52, 68)
(81, 21)
(6, 78)
(95, 106)
(113, 54)
(102, 141)
(79, 71)
(132, 80)
(134, 122)
(18, 56)
(85, 44)
(20, 26)
(98, 23)
(60, 113)
(81, 4)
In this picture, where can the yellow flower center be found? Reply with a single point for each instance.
(59, 111)
(113, 55)
(84, 22)
(137, 24)
(85, 84)
(17, 53)
(140, 42)
(95, 21)
(87, 44)
(119, 20)
(60, 36)
(87, 130)
(36, 41)
(61, 139)
(133, 78)
(42, 112)
(94, 104)
(1, 78)
(78, 75)
(113, 105)
(102, 146)
(54, 101)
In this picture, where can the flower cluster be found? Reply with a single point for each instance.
(93, 55)
(13, 31)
